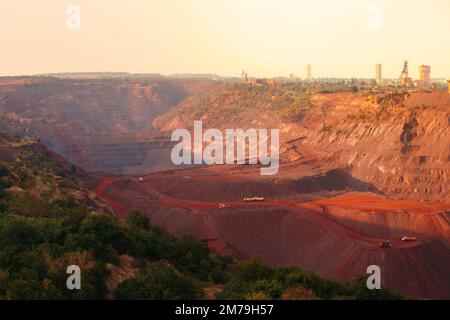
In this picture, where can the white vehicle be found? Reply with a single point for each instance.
(253, 199)
(408, 238)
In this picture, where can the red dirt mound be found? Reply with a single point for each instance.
(336, 237)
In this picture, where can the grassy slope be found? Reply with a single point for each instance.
(225, 103)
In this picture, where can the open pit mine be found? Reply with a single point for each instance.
(362, 179)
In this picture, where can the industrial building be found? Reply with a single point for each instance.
(424, 81)
(308, 72)
(378, 73)
(404, 77)
(424, 75)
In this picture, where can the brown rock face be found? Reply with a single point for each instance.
(398, 144)
(406, 155)
(100, 125)
(128, 268)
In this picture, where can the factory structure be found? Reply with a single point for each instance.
(308, 72)
(404, 77)
(405, 81)
(424, 75)
(379, 73)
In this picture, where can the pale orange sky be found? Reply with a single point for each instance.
(266, 38)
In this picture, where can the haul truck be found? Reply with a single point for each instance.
(253, 199)
(385, 244)
(408, 238)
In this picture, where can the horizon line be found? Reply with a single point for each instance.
(200, 74)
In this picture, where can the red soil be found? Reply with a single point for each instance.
(101, 191)
(376, 203)
(337, 237)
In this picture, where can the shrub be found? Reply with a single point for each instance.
(159, 282)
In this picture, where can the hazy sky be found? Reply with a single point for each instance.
(342, 38)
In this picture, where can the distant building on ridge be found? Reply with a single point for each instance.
(308, 72)
(404, 77)
(424, 75)
(378, 73)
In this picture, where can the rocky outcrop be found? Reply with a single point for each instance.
(127, 268)
(100, 125)
(402, 150)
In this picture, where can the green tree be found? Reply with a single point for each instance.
(158, 282)
(138, 219)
